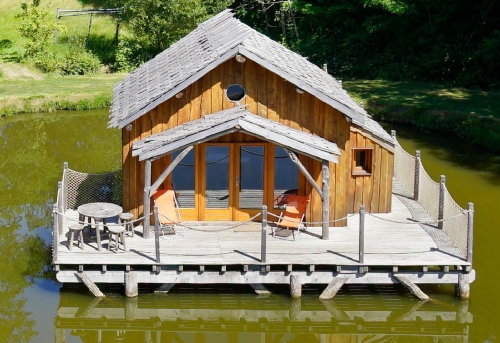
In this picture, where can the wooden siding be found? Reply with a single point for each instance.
(269, 96)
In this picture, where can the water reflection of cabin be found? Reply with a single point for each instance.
(356, 315)
(247, 106)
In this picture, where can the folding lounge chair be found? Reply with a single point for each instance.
(168, 210)
(292, 216)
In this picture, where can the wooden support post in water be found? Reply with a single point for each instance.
(294, 309)
(336, 312)
(157, 234)
(59, 335)
(263, 235)
(131, 309)
(90, 285)
(295, 286)
(442, 188)
(362, 234)
(131, 285)
(416, 181)
(413, 288)
(147, 199)
(470, 232)
(260, 289)
(334, 286)
(164, 288)
(90, 308)
(325, 234)
(462, 289)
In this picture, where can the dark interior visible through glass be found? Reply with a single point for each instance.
(217, 177)
(183, 179)
(286, 177)
(235, 92)
(251, 183)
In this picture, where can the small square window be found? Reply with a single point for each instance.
(362, 161)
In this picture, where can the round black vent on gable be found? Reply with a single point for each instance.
(235, 92)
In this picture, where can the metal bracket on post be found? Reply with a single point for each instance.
(263, 245)
(362, 234)
(416, 182)
(442, 188)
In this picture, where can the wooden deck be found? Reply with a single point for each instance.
(389, 247)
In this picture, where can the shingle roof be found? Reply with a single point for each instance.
(232, 120)
(211, 44)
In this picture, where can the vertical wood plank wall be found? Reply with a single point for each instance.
(269, 96)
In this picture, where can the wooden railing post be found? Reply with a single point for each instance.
(325, 231)
(146, 199)
(59, 206)
(157, 234)
(55, 232)
(393, 135)
(442, 189)
(64, 192)
(416, 182)
(470, 231)
(263, 235)
(361, 233)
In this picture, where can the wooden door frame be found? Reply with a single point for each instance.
(245, 214)
(215, 214)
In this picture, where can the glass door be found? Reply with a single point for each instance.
(249, 180)
(217, 188)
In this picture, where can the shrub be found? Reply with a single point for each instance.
(79, 62)
(46, 62)
(130, 54)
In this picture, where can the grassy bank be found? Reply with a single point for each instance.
(12, 48)
(30, 92)
(473, 115)
(469, 114)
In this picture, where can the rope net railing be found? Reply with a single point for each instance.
(455, 228)
(434, 198)
(404, 169)
(83, 188)
(428, 194)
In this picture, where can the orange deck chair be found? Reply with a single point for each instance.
(292, 216)
(168, 210)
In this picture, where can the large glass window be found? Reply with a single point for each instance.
(251, 178)
(217, 177)
(286, 176)
(183, 177)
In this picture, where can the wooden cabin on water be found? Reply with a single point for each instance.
(244, 102)
(235, 123)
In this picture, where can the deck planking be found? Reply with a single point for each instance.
(387, 243)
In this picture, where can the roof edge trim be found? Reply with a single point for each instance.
(187, 82)
(332, 102)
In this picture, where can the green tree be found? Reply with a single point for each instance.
(37, 27)
(159, 23)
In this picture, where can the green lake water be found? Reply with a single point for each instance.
(34, 307)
